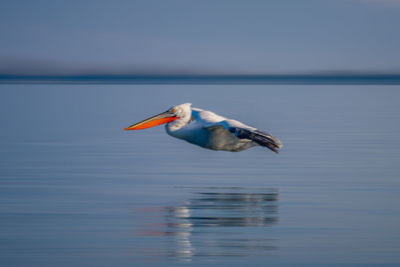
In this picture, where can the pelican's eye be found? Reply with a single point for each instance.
(173, 110)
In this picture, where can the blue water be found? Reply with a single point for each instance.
(77, 190)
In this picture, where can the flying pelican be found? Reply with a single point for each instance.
(209, 130)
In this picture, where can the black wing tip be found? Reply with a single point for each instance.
(275, 150)
(261, 138)
(272, 146)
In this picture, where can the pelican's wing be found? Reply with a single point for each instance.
(261, 138)
(211, 120)
(205, 117)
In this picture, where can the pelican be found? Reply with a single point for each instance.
(209, 130)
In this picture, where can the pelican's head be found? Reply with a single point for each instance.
(177, 114)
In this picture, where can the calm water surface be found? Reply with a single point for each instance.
(76, 190)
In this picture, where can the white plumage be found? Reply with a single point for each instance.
(209, 130)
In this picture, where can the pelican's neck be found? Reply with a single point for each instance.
(179, 123)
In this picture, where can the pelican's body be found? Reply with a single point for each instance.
(209, 130)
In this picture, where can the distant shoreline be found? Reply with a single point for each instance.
(383, 79)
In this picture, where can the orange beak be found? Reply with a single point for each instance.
(162, 118)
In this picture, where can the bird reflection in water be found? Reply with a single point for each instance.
(219, 222)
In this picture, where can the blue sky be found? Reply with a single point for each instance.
(223, 36)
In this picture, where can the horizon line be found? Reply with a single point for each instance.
(185, 78)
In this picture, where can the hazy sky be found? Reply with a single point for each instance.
(248, 36)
